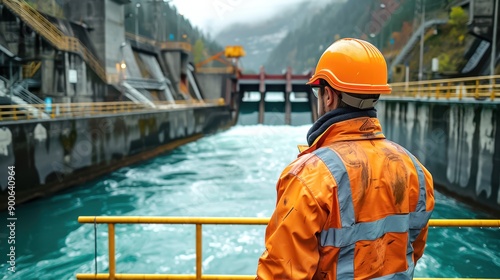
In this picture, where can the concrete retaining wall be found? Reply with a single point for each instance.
(455, 140)
(214, 86)
(55, 154)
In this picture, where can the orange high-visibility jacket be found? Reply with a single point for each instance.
(352, 206)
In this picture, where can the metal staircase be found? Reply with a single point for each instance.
(21, 96)
(52, 34)
(414, 39)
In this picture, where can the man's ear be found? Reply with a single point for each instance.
(329, 97)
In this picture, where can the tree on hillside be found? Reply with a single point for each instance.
(458, 22)
(458, 17)
(198, 49)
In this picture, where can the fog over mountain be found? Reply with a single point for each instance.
(261, 36)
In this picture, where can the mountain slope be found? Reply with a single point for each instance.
(261, 37)
(302, 48)
(386, 23)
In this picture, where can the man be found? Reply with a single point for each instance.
(353, 205)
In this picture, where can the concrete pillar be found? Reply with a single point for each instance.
(48, 75)
(68, 89)
(288, 109)
(288, 91)
(262, 107)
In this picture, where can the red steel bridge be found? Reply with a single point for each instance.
(285, 83)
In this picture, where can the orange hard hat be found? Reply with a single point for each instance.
(353, 66)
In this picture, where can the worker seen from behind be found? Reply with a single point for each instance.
(353, 205)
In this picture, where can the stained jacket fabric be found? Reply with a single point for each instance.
(353, 205)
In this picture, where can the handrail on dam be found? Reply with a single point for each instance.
(198, 222)
(478, 88)
(85, 109)
(172, 45)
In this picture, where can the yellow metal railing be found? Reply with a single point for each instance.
(31, 68)
(176, 45)
(84, 109)
(479, 88)
(198, 222)
(52, 34)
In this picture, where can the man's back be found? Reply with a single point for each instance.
(356, 194)
(353, 205)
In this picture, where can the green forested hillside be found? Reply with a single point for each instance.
(387, 24)
(162, 22)
(156, 20)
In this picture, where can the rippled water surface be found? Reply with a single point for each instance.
(232, 173)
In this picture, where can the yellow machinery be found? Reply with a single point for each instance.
(229, 57)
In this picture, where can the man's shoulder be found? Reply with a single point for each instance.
(308, 168)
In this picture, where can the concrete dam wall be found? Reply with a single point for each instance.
(49, 155)
(455, 140)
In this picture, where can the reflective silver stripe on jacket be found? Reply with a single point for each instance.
(346, 237)
(420, 210)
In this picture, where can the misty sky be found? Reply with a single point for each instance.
(212, 15)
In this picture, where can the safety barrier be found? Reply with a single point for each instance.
(174, 45)
(52, 34)
(198, 222)
(477, 88)
(85, 109)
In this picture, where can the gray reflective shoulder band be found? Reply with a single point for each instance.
(423, 215)
(421, 182)
(339, 172)
(345, 265)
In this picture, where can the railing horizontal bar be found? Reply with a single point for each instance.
(253, 221)
(463, 223)
(480, 78)
(173, 220)
(102, 276)
(163, 276)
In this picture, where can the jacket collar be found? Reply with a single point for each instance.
(343, 124)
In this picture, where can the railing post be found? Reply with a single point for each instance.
(198, 252)
(448, 91)
(492, 95)
(111, 248)
(460, 91)
(437, 91)
(476, 94)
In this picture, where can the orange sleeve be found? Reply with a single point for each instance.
(291, 235)
(419, 243)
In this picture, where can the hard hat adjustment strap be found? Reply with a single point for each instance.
(359, 103)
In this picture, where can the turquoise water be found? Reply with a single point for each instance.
(232, 173)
